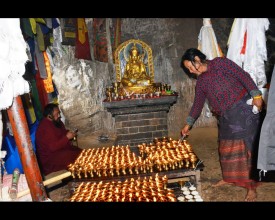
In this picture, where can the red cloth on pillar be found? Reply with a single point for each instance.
(54, 150)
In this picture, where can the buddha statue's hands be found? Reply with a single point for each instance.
(133, 80)
(144, 82)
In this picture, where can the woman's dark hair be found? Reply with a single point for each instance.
(48, 110)
(190, 56)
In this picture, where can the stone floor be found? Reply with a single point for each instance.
(204, 144)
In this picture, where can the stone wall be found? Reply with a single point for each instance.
(81, 89)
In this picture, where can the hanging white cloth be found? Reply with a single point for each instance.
(207, 44)
(247, 46)
(207, 41)
(13, 57)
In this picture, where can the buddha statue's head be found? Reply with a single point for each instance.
(134, 51)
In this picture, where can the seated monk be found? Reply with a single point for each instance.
(54, 148)
(135, 72)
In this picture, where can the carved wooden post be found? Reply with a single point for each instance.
(28, 159)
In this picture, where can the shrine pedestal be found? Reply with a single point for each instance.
(140, 120)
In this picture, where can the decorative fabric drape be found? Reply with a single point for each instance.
(100, 40)
(82, 45)
(100, 37)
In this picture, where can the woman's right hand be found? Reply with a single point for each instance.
(185, 130)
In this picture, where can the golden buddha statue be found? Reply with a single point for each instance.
(135, 74)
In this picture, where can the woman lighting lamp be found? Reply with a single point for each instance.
(227, 88)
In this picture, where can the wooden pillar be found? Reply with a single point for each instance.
(28, 159)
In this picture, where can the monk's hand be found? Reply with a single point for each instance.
(70, 135)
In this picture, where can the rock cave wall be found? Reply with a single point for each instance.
(81, 89)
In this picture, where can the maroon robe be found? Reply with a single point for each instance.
(54, 150)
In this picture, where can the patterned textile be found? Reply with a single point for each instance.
(239, 130)
(100, 40)
(235, 162)
(223, 84)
